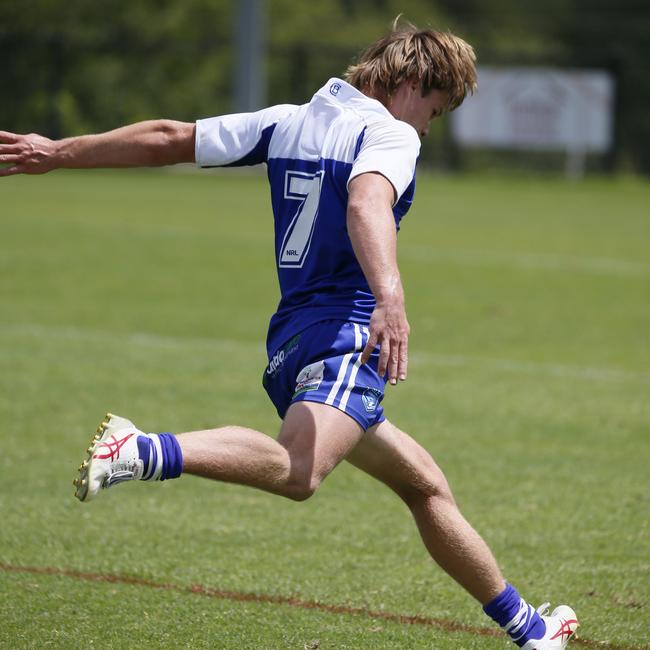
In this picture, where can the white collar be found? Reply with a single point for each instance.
(340, 92)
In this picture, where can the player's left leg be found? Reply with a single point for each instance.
(393, 457)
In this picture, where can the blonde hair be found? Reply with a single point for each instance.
(439, 60)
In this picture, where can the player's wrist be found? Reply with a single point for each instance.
(390, 297)
(61, 153)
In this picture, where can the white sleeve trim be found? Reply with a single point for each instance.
(391, 148)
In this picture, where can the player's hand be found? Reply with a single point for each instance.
(390, 330)
(25, 154)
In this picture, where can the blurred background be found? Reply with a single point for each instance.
(75, 66)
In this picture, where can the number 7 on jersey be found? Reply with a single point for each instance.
(304, 188)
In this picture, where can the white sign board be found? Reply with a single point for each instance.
(538, 108)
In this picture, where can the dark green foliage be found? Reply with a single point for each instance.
(73, 66)
(79, 66)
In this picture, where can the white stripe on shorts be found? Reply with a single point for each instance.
(358, 345)
(344, 366)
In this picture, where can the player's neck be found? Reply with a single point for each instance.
(375, 94)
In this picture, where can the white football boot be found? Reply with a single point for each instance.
(112, 458)
(560, 626)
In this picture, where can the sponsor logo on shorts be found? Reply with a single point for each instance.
(370, 399)
(310, 377)
(281, 355)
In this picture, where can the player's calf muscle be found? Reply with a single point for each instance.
(247, 457)
(234, 454)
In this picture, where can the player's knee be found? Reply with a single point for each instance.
(301, 489)
(300, 492)
(426, 491)
(426, 483)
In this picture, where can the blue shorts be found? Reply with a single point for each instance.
(322, 364)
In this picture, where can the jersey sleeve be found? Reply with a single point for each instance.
(237, 139)
(391, 148)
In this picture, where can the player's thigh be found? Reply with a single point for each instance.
(392, 456)
(317, 438)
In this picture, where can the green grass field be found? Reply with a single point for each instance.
(148, 293)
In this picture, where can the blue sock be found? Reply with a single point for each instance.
(519, 619)
(172, 466)
(161, 455)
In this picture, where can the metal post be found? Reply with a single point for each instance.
(250, 77)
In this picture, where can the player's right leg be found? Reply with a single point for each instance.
(120, 452)
(393, 457)
(313, 439)
(317, 366)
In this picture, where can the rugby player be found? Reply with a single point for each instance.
(341, 170)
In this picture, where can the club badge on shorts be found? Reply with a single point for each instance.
(310, 377)
(370, 398)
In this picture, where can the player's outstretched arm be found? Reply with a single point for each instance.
(144, 144)
(371, 227)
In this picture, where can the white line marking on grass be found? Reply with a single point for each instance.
(594, 265)
(146, 339)
(137, 339)
(531, 367)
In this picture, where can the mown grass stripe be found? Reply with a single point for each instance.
(524, 260)
(147, 339)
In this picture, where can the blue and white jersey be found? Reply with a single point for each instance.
(312, 152)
